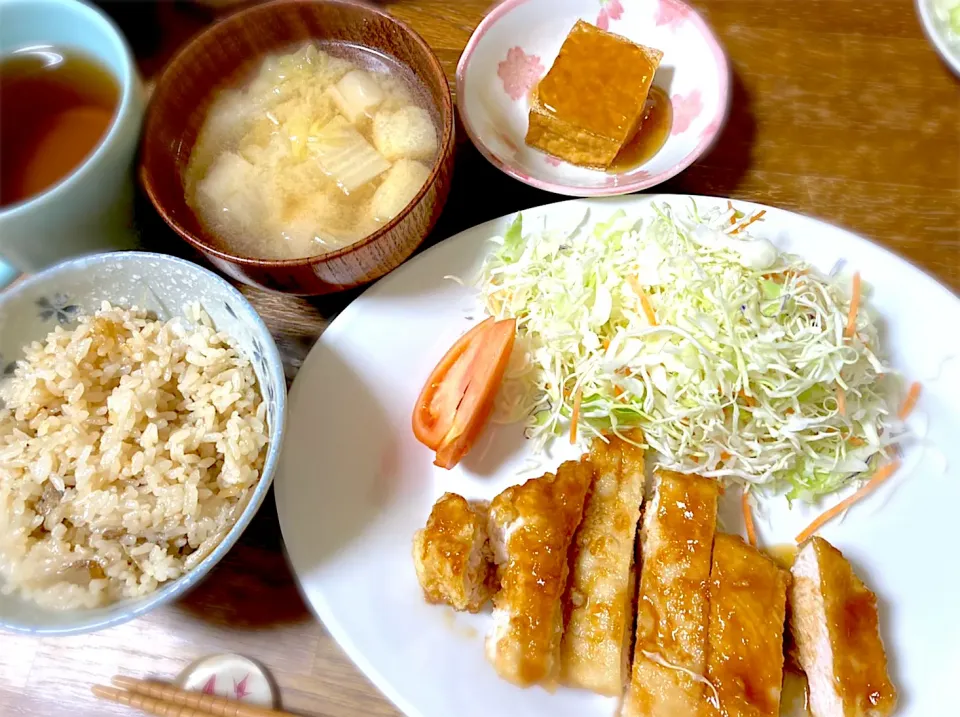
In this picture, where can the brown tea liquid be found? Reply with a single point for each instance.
(55, 107)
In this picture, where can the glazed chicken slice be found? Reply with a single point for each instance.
(676, 540)
(452, 555)
(748, 597)
(834, 624)
(594, 652)
(531, 528)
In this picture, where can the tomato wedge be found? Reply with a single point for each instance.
(436, 407)
(484, 378)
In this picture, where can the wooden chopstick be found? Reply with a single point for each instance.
(165, 700)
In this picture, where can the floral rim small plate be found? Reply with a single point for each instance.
(517, 42)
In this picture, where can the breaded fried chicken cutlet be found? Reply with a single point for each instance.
(452, 555)
(834, 624)
(531, 528)
(748, 597)
(676, 539)
(598, 603)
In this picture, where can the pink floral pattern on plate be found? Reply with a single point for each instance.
(685, 111)
(609, 10)
(519, 72)
(711, 129)
(553, 161)
(671, 14)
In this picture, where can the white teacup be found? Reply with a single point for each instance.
(90, 209)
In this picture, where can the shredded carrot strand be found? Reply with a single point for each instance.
(856, 441)
(644, 300)
(748, 401)
(825, 517)
(733, 217)
(841, 401)
(749, 221)
(575, 416)
(648, 309)
(854, 307)
(910, 401)
(748, 518)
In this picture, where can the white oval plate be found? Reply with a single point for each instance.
(354, 484)
(517, 42)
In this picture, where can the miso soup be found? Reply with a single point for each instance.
(318, 150)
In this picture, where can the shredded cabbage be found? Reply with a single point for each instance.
(949, 13)
(739, 377)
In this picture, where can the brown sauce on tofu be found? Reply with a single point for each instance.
(652, 135)
(596, 82)
(593, 99)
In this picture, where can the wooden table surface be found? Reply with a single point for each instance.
(841, 110)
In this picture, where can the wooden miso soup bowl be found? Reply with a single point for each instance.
(228, 53)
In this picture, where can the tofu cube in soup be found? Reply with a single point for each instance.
(232, 183)
(407, 133)
(399, 186)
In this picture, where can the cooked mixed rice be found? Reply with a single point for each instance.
(128, 448)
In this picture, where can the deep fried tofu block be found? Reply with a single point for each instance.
(591, 101)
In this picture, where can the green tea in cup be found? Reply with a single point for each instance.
(56, 105)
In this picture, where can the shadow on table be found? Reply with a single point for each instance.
(721, 171)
